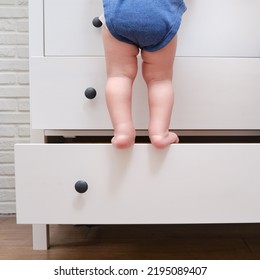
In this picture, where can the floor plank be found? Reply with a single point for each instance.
(124, 242)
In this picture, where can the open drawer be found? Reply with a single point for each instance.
(185, 183)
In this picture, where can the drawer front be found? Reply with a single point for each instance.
(210, 93)
(186, 183)
(226, 28)
(69, 30)
(210, 28)
(58, 98)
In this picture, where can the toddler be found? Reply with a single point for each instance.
(150, 26)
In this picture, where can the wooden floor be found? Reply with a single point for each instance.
(131, 242)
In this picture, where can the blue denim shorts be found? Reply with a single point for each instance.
(148, 24)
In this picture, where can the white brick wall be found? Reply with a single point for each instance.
(14, 93)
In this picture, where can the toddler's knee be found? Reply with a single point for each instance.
(155, 76)
(129, 73)
(147, 74)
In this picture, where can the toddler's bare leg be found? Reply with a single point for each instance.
(121, 64)
(157, 72)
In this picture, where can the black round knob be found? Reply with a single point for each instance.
(81, 186)
(90, 93)
(97, 22)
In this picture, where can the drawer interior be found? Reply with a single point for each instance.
(145, 139)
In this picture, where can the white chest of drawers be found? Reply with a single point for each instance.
(217, 91)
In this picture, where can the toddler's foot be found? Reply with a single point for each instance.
(123, 141)
(162, 141)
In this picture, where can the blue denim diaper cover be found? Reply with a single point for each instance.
(148, 24)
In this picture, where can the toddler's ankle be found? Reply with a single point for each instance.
(164, 140)
(123, 140)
